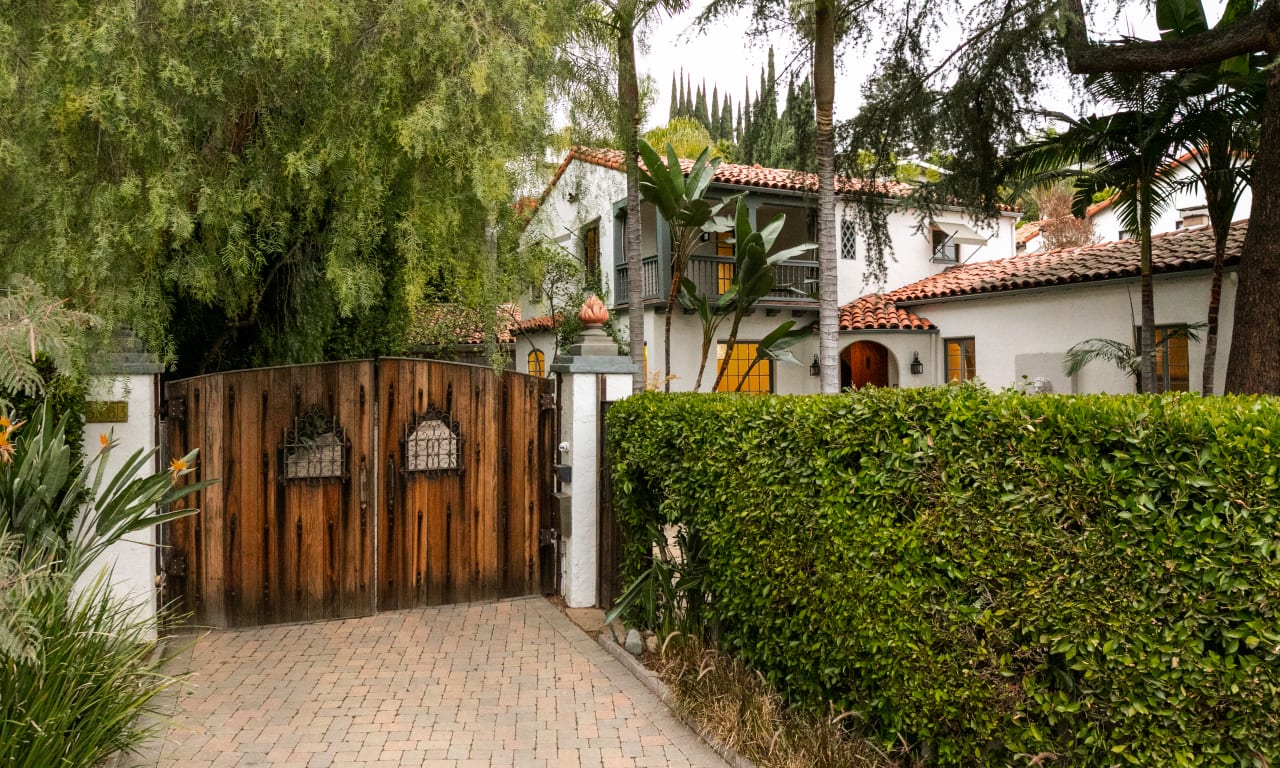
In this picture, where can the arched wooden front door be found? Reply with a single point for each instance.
(863, 363)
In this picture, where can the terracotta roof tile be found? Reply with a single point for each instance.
(1028, 232)
(875, 312)
(1178, 251)
(754, 176)
(537, 324)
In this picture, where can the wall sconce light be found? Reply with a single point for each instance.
(815, 368)
(917, 367)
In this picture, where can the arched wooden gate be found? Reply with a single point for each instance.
(358, 486)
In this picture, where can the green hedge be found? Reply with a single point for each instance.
(985, 576)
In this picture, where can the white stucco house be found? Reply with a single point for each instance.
(582, 211)
(1010, 321)
(959, 300)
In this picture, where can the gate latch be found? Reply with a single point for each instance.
(175, 409)
(548, 536)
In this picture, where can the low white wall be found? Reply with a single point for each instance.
(129, 565)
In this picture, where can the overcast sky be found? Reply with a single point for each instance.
(727, 57)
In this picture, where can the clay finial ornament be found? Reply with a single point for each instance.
(593, 311)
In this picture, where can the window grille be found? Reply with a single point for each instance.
(848, 239)
(433, 444)
(315, 449)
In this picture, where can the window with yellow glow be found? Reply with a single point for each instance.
(754, 379)
(723, 246)
(962, 359)
(537, 363)
(724, 276)
(1173, 370)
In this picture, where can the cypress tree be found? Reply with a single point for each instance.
(766, 148)
(686, 101)
(726, 120)
(700, 108)
(675, 103)
(713, 125)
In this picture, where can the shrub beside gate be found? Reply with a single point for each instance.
(992, 578)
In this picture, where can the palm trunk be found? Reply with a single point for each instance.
(1147, 336)
(629, 125)
(1253, 367)
(824, 86)
(1215, 300)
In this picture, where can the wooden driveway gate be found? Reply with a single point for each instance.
(358, 486)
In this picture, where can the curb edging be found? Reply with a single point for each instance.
(660, 689)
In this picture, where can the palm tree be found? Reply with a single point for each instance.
(1224, 112)
(621, 21)
(816, 23)
(824, 89)
(1130, 151)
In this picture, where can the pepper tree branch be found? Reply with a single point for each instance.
(1258, 31)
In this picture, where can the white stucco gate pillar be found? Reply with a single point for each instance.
(123, 404)
(592, 374)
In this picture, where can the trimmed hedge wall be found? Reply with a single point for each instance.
(988, 577)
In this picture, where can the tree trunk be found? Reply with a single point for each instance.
(1147, 336)
(728, 355)
(1253, 366)
(824, 87)
(629, 125)
(666, 324)
(1220, 232)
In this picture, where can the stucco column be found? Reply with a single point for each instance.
(123, 404)
(594, 372)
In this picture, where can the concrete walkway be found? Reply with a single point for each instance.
(509, 683)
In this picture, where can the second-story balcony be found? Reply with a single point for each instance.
(795, 284)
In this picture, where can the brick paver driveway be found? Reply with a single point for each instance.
(509, 683)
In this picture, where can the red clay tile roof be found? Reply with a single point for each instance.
(1178, 251)
(875, 312)
(739, 175)
(537, 324)
(1028, 232)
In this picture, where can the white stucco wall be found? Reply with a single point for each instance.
(911, 254)
(593, 191)
(1049, 321)
(130, 564)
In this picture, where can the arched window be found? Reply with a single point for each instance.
(537, 363)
